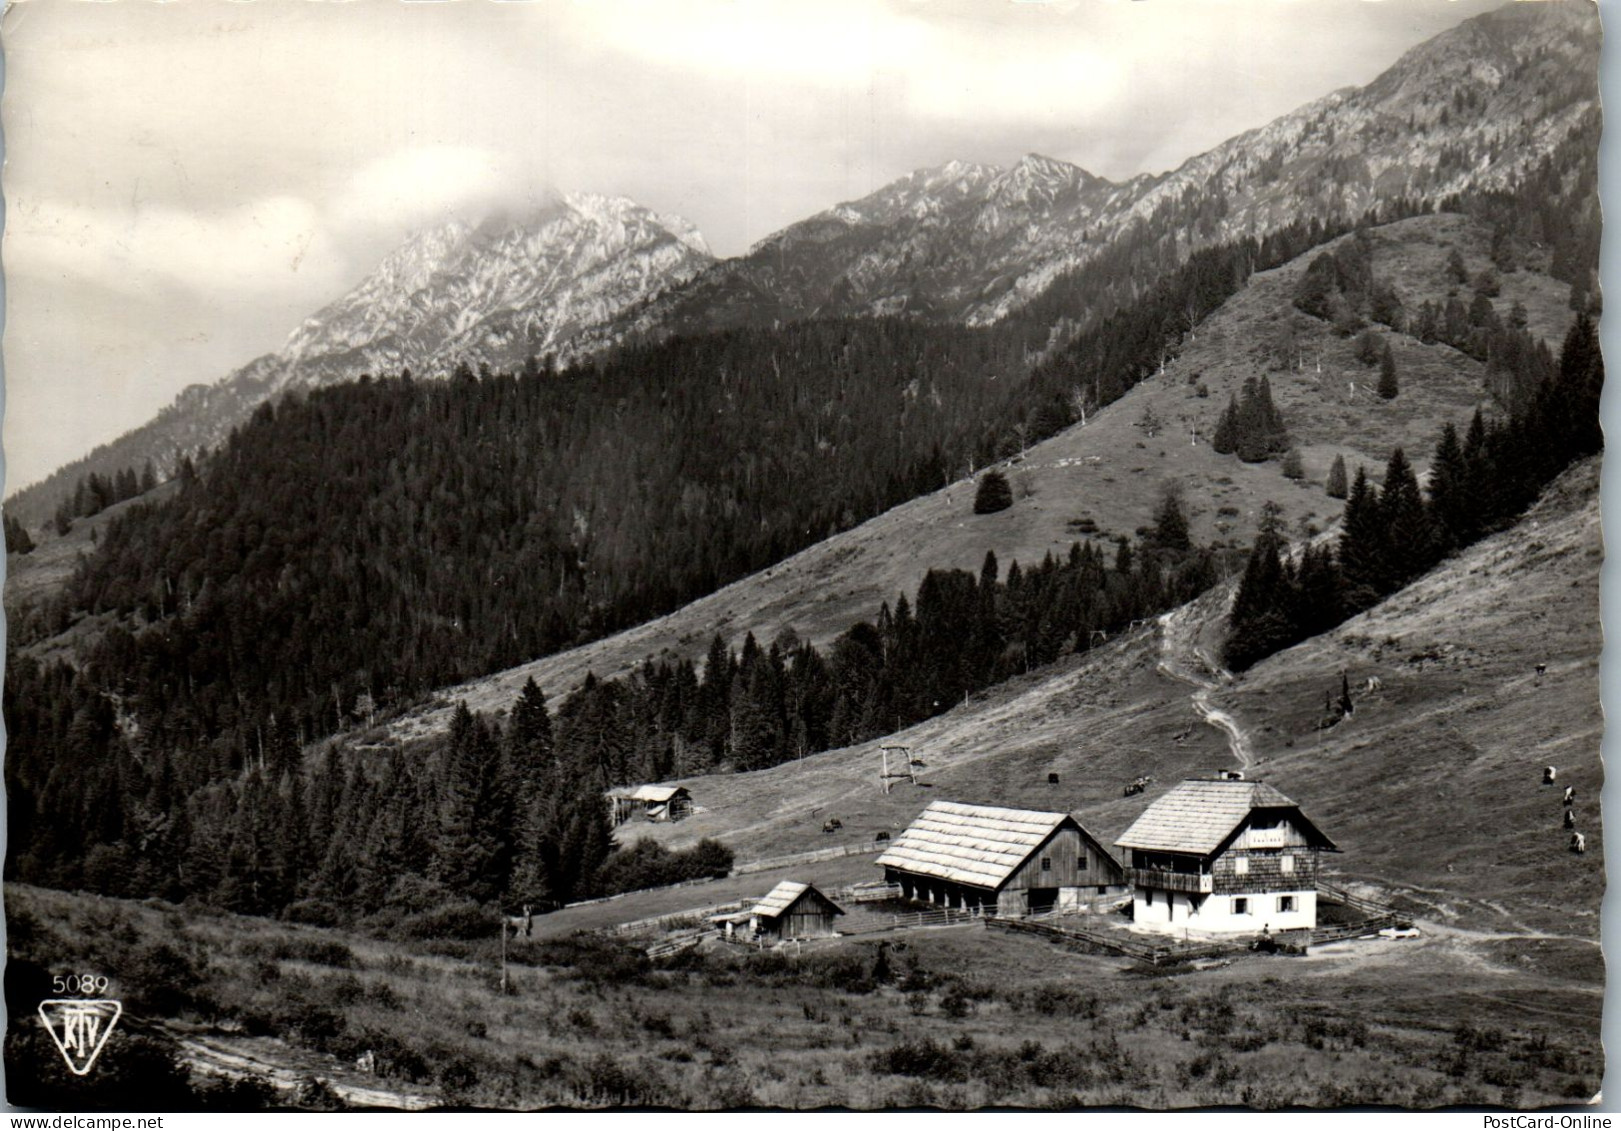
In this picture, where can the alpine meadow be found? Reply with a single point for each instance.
(1017, 637)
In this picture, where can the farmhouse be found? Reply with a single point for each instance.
(794, 911)
(655, 802)
(1233, 855)
(1007, 861)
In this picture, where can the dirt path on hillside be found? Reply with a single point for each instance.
(1185, 659)
(277, 1065)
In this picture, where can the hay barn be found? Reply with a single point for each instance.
(1232, 856)
(1007, 861)
(654, 802)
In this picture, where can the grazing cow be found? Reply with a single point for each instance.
(1374, 684)
(1570, 818)
(1578, 843)
(1542, 669)
(1570, 795)
(1549, 773)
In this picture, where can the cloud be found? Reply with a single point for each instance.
(270, 244)
(411, 188)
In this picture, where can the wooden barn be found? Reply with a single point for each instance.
(653, 802)
(794, 911)
(1007, 861)
(1228, 855)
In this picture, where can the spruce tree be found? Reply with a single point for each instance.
(1409, 536)
(1225, 438)
(1388, 387)
(17, 539)
(994, 494)
(1336, 485)
(1362, 545)
(1170, 533)
(1451, 500)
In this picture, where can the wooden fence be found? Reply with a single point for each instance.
(912, 920)
(1376, 916)
(766, 865)
(673, 918)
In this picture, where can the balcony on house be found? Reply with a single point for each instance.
(1199, 883)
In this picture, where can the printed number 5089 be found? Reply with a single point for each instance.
(79, 984)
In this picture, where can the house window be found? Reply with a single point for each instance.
(1241, 866)
(1287, 863)
(1148, 898)
(1241, 906)
(1046, 863)
(1286, 903)
(1080, 865)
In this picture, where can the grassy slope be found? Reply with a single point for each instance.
(1431, 788)
(1110, 470)
(585, 1025)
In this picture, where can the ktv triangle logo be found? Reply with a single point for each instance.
(80, 1028)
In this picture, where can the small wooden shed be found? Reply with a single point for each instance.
(794, 911)
(654, 802)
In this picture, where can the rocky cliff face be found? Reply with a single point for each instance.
(496, 293)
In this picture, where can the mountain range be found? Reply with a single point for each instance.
(1474, 110)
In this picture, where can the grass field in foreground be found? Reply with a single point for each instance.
(962, 1017)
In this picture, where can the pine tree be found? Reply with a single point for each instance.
(1388, 387)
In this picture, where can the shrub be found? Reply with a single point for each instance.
(314, 913)
(462, 920)
(648, 864)
(317, 952)
(592, 958)
(921, 1058)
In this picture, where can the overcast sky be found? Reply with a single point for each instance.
(186, 181)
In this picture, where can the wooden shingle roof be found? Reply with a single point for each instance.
(648, 792)
(980, 845)
(1199, 816)
(784, 896)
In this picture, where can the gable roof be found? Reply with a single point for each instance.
(648, 792)
(784, 896)
(1200, 816)
(981, 845)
